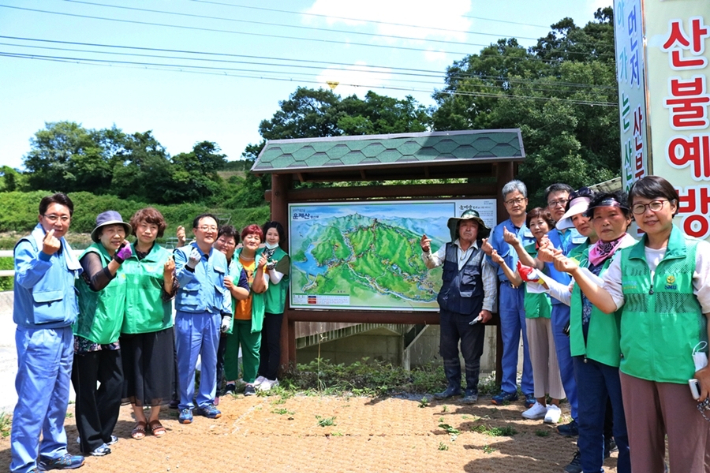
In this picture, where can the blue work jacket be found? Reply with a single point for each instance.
(44, 293)
(506, 251)
(202, 290)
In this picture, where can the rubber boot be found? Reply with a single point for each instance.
(452, 370)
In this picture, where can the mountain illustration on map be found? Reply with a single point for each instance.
(376, 262)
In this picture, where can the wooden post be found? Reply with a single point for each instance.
(279, 213)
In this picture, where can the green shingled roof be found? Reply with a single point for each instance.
(407, 149)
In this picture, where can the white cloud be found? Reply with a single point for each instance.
(594, 4)
(356, 79)
(432, 55)
(444, 14)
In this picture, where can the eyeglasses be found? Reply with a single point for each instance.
(556, 203)
(205, 228)
(516, 201)
(53, 218)
(655, 206)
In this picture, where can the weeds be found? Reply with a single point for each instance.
(283, 412)
(542, 433)
(443, 446)
(5, 424)
(424, 402)
(326, 421)
(488, 449)
(506, 431)
(445, 409)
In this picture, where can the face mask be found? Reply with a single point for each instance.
(272, 246)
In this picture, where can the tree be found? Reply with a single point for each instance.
(195, 173)
(549, 92)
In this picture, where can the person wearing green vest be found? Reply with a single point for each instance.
(541, 343)
(97, 355)
(248, 314)
(278, 267)
(147, 338)
(594, 337)
(662, 287)
(226, 242)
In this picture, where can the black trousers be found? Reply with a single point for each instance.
(221, 348)
(270, 351)
(455, 328)
(97, 409)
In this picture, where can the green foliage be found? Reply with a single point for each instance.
(542, 433)
(6, 283)
(507, 86)
(326, 421)
(5, 424)
(18, 211)
(443, 446)
(505, 431)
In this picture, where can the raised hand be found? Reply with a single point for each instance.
(124, 252)
(497, 258)
(169, 266)
(546, 252)
(510, 237)
(262, 261)
(50, 244)
(486, 247)
(564, 264)
(527, 273)
(425, 243)
(194, 258)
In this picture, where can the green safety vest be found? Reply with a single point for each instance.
(101, 313)
(145, 309)
(602, 343)
(235, 271)
(257, 300)
(661, 320)
(275, 295)
(537, 305)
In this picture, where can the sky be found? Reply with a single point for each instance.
(252, 55)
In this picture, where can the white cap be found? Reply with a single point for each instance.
(577, 205)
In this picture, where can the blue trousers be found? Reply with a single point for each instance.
(560, 318)
(44, 363)
(512, 323)
(455, 327)
(197, 334)
(598, 382)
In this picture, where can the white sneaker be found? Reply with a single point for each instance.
(259, 380)
(265, 385)
(537, 411)
(553, 414)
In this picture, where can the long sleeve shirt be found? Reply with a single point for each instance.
(488, 272)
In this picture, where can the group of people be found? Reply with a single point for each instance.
(104, 322)
(617, 326)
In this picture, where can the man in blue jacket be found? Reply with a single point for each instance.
(201, 302)
(45, 307)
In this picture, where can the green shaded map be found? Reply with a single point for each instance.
(366, 256)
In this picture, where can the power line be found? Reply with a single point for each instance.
(216, 30)
(391, 70)
(365, 69)
(300, 27)
(224, 71)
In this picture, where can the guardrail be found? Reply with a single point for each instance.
(10, 273)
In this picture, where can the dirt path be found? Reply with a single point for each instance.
(269, 434)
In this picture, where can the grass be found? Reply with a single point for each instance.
(5, 424)
(326, 421)
(443, 446)
(506, 431)
(424, 402)
(282, 412)
(542, 433)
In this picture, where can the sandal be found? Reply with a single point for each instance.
(157, 428)
(138, 431)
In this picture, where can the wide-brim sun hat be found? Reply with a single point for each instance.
(470, 214)
(110, 217)
(578, 205)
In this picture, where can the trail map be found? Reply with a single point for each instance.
(367, 256)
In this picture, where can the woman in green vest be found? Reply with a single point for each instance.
(662, 287)
(97, 354)
(538, 309)
(278, 266)
(248, 314)
(147, 337)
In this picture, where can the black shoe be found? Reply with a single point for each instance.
(230, 388)
(575, 466)
(101, 451)
(610, 446)
(65, 462)
(450, 391)
(470, 397)
(174, 404)
(568, 430)
(249, 390)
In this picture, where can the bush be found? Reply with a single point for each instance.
(6, 283)
(18, 211)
